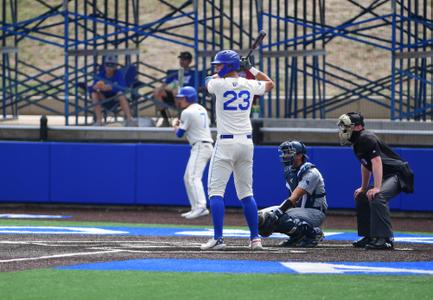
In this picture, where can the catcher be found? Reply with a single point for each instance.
(301, 215)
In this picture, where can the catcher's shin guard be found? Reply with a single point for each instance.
(300, 232)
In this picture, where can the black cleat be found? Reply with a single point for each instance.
(291, 242)
(380, 244)
(312, 241)
(362, 242)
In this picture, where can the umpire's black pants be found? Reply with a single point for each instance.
(373, 216)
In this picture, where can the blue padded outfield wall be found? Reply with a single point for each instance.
(152, 174)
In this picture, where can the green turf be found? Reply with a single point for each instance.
(53, 284)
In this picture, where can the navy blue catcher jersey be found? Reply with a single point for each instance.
(310, 180)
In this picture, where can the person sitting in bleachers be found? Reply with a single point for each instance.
(110, 83)
(166, 93)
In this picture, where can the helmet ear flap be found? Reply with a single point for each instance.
(303, 147)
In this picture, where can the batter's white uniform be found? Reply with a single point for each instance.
(194, 120)
(234, 148)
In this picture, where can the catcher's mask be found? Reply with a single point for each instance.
(346, 123)
(287, 151)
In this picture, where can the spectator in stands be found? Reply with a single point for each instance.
(110, 83)
(166, 93)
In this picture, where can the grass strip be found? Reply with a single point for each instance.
(57, 284)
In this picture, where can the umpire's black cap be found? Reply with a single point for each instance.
(356, 118)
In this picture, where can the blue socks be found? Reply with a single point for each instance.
(217, 211)
(250, 213)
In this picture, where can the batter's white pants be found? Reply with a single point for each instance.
(232, 156)
(198, 159)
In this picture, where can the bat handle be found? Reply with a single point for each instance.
(249, 53)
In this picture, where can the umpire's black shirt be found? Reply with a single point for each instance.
(367, 146)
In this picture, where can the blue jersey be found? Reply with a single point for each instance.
(117, 81)
(173, 76)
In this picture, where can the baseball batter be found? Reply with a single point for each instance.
(233, 152)
(194, 124)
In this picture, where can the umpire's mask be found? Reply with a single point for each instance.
(346, 123)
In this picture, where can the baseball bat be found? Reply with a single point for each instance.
(256, 43)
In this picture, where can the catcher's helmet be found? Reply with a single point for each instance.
(230, 59)
(189, 93)
(288, 149)
(346, 123)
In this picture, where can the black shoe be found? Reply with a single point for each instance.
(308, 243)
(380, 244)
(290, 242)
(312, 242)
(362, 242)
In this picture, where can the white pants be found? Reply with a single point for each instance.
(198, 159)
(232, 156)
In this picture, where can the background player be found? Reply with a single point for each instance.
(301, 215)
(194, 122)
(233, 151)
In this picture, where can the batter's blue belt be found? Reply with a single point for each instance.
(204, 142)
(230, 136)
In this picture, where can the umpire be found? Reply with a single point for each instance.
(391, 176)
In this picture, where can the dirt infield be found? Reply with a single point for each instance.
(30, 251)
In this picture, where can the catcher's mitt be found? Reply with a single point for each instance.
(267, 223)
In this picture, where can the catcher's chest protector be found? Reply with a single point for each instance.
(294, 175)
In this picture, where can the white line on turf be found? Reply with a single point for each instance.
(59, 256)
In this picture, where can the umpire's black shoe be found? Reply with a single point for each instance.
(380, 244)
(362, 242)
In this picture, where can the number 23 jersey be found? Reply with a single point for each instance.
(234, 97)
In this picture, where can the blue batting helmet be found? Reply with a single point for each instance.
(230, 59)
(288, 149)
(189, 93)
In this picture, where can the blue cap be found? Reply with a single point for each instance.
(110, 60)
(189, 93)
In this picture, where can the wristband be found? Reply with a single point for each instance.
(254, 71)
